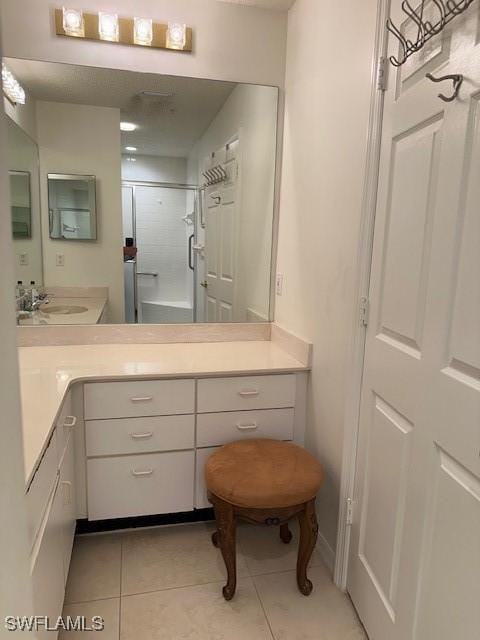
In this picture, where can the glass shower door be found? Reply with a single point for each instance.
(163, 235)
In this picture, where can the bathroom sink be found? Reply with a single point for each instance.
(63, 309)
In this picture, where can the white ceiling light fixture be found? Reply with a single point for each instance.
(73, 22)
(176, 35)
(108, 26)
(128, 126)
(11, 87)
(143, 31)
(130, 148)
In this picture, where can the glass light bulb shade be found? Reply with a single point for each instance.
(143, 31)
(176, 35)
(73, 23)
(11, 87)
(108, 26)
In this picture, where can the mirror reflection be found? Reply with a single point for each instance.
(23, 164)
(169, 179)
(71, 207)
(20, 204)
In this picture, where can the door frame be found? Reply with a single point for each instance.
(363, 263)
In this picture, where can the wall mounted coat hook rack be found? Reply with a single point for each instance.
(444, 12)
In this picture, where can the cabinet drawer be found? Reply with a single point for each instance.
(140, 485)
(139, 435)
(201, 499)
(41, 487)
(253, 392)
(139, 398)
(47, 571)
(215, 429)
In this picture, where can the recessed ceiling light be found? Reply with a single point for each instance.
(130, 148)
(128, 126)
(131, 159)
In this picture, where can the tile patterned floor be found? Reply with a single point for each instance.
(165, 584)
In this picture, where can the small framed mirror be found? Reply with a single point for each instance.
(21, 204)
(72, 207)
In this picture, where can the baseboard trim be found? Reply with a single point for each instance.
(326, 551)
(100, 526)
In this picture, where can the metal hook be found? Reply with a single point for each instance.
(457, 83)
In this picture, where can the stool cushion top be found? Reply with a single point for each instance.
(263, 474)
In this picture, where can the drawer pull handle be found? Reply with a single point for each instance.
(247, 427)
(142, 399)
(70, 421)
(141, 436)
(139, 474)
(246, 394)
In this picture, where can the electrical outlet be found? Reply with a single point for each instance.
(279, 284)
(23, 259)
(60, 260)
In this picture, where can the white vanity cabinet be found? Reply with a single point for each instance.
(52, 518)
(140, 447)
(146, 442)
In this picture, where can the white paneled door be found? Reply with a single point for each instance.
(414, 571)
(221, 242)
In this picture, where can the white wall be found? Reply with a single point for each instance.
(231, 42)
(154, 168)
(251, 113)
(328, 80)
(85, 140)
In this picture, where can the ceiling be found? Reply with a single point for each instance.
(169, 124)
(282, 5)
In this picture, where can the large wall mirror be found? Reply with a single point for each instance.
(157, 195)
(23, 165)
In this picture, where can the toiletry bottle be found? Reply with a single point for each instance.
(33, 291)
(19, 290)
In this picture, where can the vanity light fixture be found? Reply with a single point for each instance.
(109, 27)
(73, 23)
(128, 126)
(176, 35)
(12, 89)
(143, 31)
(130, 148)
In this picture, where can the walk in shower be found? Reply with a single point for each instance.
(160, 281)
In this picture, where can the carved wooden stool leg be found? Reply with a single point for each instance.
(225, 539)
(285, 533)
(308, 538)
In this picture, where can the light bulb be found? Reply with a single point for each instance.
(127, 126)
(11, 87)
(143, 31)
(176, 35)
(73, 23)
(108, 26)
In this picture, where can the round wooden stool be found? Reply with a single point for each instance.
(264, 482)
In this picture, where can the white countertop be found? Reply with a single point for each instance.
(47, 372)
(92, 315)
